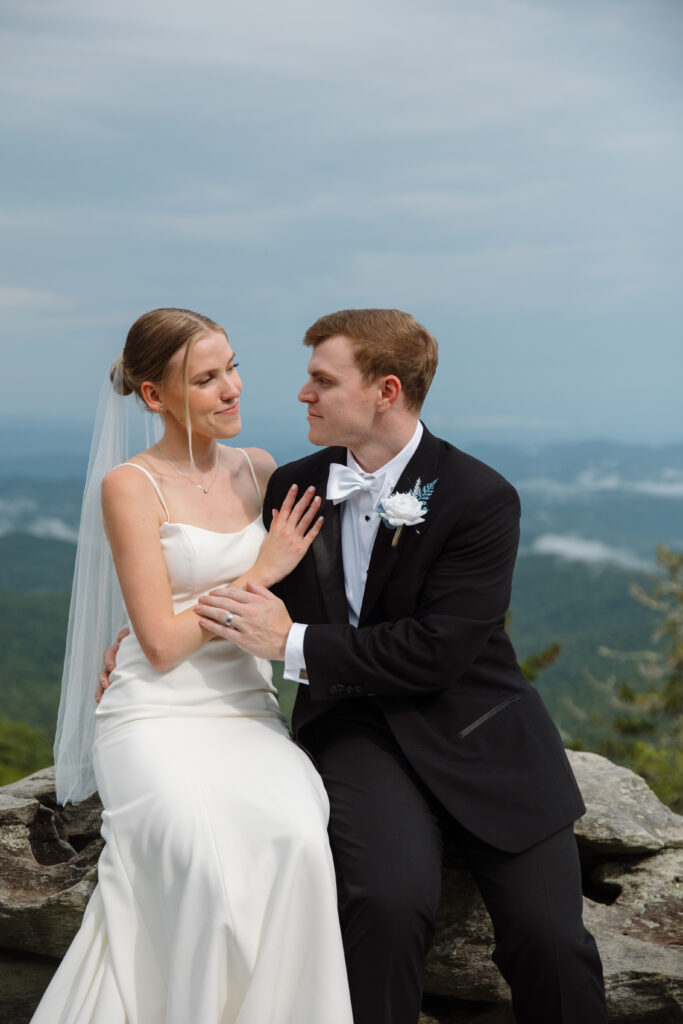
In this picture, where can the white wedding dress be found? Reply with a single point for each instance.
(216, 897)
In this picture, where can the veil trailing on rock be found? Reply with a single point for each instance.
(97, 612)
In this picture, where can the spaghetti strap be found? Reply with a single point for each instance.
(154, 484)
(253, 477)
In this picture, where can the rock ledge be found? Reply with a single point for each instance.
(631, 849)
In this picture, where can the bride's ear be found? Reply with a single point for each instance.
(151, 396)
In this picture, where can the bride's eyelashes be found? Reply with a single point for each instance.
(207, 380)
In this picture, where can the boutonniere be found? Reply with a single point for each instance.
(407, 508)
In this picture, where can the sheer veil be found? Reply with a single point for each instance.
(97, 612)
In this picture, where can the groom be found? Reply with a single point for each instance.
(411, 701)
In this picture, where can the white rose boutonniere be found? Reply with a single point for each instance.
(407, 508)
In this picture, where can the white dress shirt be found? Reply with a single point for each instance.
(359, 524)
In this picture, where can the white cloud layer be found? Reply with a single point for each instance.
(52, 528)
(23, 515)
(32, 300)
(590, 552)
(591, 481)
(13, 511)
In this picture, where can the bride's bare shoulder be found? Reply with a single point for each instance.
(263, 464)
(125, 481)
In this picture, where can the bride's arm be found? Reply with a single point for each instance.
(132, 519)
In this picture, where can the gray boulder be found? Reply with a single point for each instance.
(631, 848)
(48, 868)
(623, 816)
(48, 865)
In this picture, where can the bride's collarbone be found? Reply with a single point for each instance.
(222, 510)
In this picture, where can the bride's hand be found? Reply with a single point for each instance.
(292, 531)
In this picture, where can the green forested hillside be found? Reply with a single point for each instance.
(22, 750)
(583, 609)
(32, 633)
(35, 564)
(624, 499)
(35, 575)
(579, 607)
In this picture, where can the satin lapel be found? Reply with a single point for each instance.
(327, 551)
(384, 557)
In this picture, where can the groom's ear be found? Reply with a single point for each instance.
(390, 389)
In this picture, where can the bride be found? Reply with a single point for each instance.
(216, 898)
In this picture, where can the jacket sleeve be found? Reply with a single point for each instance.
(268, 500)
(463, 597)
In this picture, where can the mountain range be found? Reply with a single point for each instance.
(593, 514)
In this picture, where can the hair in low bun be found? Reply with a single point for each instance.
(118, 377)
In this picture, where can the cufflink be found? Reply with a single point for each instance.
(303, 674)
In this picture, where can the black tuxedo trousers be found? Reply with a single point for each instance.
(420, 721)
(388, 835)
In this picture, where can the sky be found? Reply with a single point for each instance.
(507, 170)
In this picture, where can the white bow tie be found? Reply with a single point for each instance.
(343, 481)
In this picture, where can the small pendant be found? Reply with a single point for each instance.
(205, 489)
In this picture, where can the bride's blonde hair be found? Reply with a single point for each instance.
(153, 339)
(151, 342)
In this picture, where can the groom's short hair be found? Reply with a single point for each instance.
(385, 341)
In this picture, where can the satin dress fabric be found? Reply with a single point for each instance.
(216, 898)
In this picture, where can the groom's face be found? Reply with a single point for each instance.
(341, 405)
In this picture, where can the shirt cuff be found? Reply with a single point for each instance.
(295, 663)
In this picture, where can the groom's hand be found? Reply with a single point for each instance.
(109, 662)
(258, 621)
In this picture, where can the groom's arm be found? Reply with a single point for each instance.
(462, 600)
(294, 667)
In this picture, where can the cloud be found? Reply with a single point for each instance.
(27, 299)
(592, 481)
(22, 515)
(54, 529)
(14, 511)
(660, 488)
(497, 423)
(590, 552)
(504, 160)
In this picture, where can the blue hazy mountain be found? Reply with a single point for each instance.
(592, 516)
(598, 501)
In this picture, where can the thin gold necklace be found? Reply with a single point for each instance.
(186, 476)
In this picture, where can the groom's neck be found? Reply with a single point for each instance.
(383, 445)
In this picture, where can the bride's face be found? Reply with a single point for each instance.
(213, 387)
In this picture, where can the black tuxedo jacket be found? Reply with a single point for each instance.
(430, 647)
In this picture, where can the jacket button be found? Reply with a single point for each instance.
(350, 689)
(358, 689)
(333, 688)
